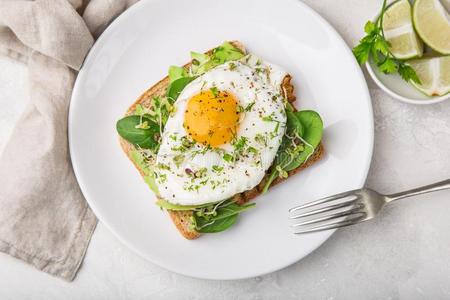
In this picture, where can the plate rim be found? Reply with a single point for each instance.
(365, 169)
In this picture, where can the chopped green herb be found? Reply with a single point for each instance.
(163, 166)
(178, 159)
(239, 144)
(162, 178)
(249, 106)
(277, 126)
(200, 173)
(214, 91)
(261, 139)
(252, 150)
(228, 157)
(217, 168)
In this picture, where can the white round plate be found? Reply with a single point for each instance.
(399, 89)
(136, 51)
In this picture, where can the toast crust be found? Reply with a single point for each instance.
(182, 219)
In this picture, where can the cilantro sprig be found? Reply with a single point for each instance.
(374, 45)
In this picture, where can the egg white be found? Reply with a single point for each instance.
(200, 175)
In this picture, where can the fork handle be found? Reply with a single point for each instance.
(438, 186)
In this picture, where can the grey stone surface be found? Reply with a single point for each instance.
(403, 254)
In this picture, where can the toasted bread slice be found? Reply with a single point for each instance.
(182, 219)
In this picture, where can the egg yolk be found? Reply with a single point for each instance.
(211, 117)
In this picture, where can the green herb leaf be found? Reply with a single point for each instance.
(388, 66)
(313, 129)
(249, 106)
(217, 225)
(267, 119)
(293, 124)
(362, 52)
(217, 168)
(408, 73)
(225, 216)
(292, 153)
(370, 27)
(222, 54)
(240, 143)
(227, 52)
(313, 126)
(228, 157)
(176, 72)
(381, 45)
(375, 46)
(177, 86)
(214, 91)
(198, 59)
(146, 138)
(139, 110)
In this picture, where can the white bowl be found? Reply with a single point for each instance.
(396, 87)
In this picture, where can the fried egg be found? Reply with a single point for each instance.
(224, 133)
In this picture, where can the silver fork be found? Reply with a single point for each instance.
(349, 208)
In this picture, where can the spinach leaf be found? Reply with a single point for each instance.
(303, 135)
(219, 225)
(176, 72)
(177, 86)
(220, 219)
(140, 131)
(299, 159)
(293, 128)
(293, 124)
(313, 128)
(313, 125)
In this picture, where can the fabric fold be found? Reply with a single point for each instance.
(52, 27)
(44, 218)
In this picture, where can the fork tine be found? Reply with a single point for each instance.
(329, 217)
(324, 209)
(332, 225)
(323, 200)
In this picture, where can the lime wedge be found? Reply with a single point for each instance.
(398, 30)
(432, 23)
(434, 73)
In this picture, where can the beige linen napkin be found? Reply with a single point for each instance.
(44, 219)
